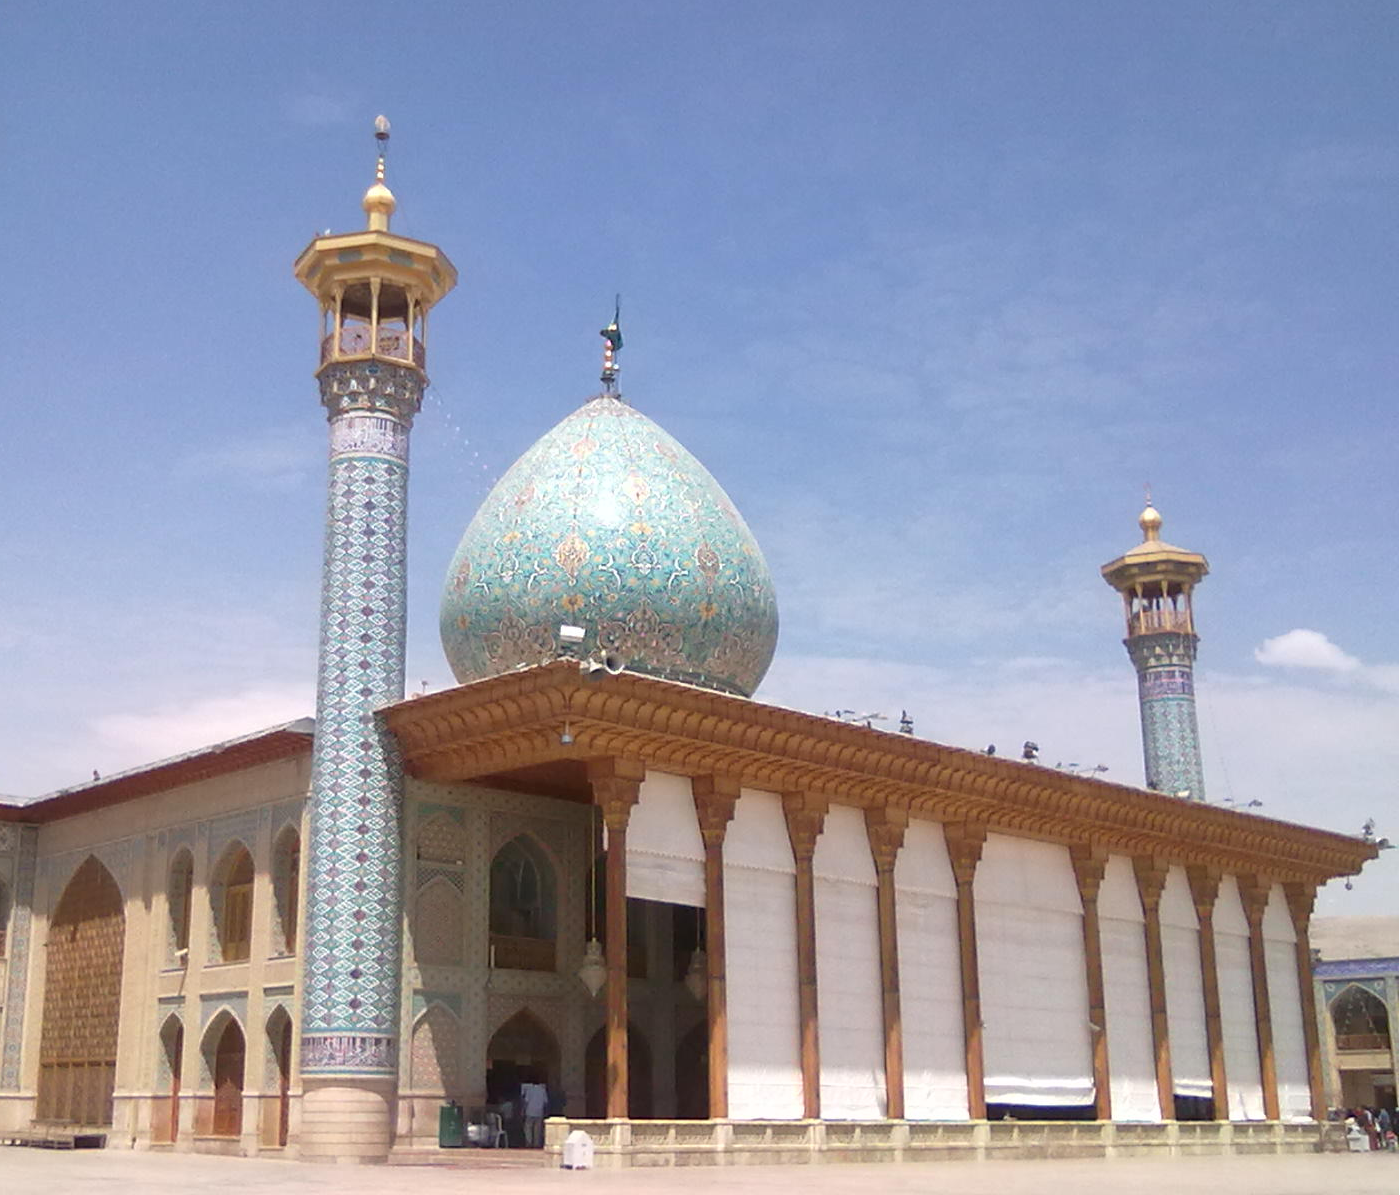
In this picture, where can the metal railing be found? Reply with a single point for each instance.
(355, 342)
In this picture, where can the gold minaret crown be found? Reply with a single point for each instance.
(1156, 579)
(375, 288)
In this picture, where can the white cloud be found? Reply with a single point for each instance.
(130, 739)
(1300, 648)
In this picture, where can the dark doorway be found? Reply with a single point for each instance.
(693, 1074)
(229, 1057)
(595, 1066)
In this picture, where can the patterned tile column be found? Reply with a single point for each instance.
(353, 949)
(1171, 744)
(24, 842)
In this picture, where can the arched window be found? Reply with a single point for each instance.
(522, 907)
(232, 900)
(178, 893)
(286, 877)
(224, 1060)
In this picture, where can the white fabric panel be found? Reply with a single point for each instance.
(665, 854)
(1237, 1022)
(930, 983)
(1132, 1080)
(850, 1022)
(765, 1065)
(1186, 1002)
(1035, 999)
(1286, 1009)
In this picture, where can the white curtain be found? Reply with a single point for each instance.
(930, 979)
(765, 1064)
(1132, 1069)
(1186, 1004)
(1237, 1019)
(665, 854)
(850, 1024)
(1286, 1010)
(1035, 999)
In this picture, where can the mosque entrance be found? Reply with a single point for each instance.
(82, 1000)
(523, 1050)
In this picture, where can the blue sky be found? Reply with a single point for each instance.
(933, 289)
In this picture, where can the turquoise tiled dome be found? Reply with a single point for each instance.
(607, 523)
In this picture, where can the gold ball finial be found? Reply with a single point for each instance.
(379, 202)
(1150, 521)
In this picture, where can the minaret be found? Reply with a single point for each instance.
(1156, 580)
(375, 290)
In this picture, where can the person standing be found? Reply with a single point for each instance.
(534, 1099)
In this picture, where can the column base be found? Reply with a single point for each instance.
(346, 1119)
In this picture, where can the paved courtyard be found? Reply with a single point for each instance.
(100, 1172)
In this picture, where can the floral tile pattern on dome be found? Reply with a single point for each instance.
(606, 522)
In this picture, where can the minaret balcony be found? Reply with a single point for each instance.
(1160, 622)
(357, 342)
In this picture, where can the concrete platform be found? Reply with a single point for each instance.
(108, 1172)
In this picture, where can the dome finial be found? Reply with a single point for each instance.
(1150, 521)
(612, 336)
(379, 202)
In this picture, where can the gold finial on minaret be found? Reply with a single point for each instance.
(1150, 521)
(379, 202)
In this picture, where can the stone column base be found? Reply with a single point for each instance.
(346, 1119)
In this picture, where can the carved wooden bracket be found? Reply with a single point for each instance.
(1151, 874)
(715, 799)
(1300, 905)
(965, 841)
(1205, 887)
(805, 813)
(1089, 860)
(616, 782)
(885, 827)
(1254, 896)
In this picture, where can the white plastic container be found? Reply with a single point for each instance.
(578, 1151)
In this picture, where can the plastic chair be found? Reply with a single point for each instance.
(495, 1131)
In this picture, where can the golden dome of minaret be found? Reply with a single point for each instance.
(1150, 522)
(379, 202)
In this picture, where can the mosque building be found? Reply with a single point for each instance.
(715, 929)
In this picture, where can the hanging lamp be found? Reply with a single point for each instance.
(593, 971)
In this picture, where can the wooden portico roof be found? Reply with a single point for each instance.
(511, 729)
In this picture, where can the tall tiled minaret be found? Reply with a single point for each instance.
(1156, 580)
(374, 289)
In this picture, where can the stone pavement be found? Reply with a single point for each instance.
(104, 1172)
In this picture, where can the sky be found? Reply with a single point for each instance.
(933, 289)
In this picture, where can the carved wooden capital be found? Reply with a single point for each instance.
(1151, 874)
(965, 841)
(616, 782)
(805, 813)
(715, 798)
(1089, 861)
(1300, 905)
(1254, 896)
(885, 826)
(1205, 887)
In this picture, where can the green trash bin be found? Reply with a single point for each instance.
(450, 1126)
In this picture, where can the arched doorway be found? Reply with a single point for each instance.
(82, 1000)
(595, 1070)
(522, 1050)
(172, 1048)
(229, 1056)
(279, 1044)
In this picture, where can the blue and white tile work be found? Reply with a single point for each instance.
(609, 524)
(1171, 742)
(352, 967)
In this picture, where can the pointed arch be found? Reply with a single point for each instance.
(286, 890)
(438, 929)
(523, 905)
(434, 1056)
(224, 1051)
(179, 901)
(1360, 1019)
(231, 904)
(82, 999)
(278, 1075)
(4, 918)
(165, 1119)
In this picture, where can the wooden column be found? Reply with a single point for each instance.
(965, 841)
(1300, 907)
(1205, 886)
(616, 784)
(715, 798)
(1254, 895)
(805, 814)
(885, 827)
(1089, 862)
(1151, 879)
